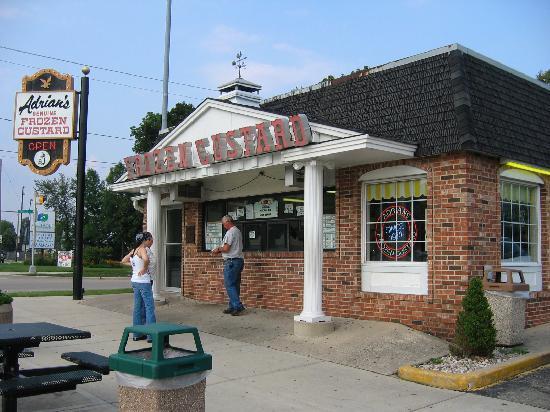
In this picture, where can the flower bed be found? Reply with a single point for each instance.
(453, 364)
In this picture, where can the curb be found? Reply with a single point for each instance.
(473, 380)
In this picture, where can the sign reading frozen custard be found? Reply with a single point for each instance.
(44, 121)
(265, 137)
(47, 115)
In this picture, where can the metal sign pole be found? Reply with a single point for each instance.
(81, 184)
(32, 268)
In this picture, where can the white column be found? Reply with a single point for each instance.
(313, 245)
(153, 226)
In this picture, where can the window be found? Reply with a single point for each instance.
(393, 237)
(396, 221)
(519, 221)
(270, 222)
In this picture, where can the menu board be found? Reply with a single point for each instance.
(213, 237)
(329, 231)
(266, 208)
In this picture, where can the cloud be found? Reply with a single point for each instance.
(296, 67)
(225, 39)
(8, 12)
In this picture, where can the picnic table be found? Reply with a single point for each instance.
(15, 341)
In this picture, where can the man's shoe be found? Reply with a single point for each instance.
(237, 312)
(228, 311)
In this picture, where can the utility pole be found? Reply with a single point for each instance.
(0, 189)
(164, 127)
(19, 216)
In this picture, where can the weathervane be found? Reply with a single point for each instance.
(239, 63)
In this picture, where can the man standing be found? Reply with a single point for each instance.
(233, 264)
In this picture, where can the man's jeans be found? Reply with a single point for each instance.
(232, 269)
(144, 305)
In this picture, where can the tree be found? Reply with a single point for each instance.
(60, 196)
(8, 236)
(475, 332)
(147, 133)
(93, 214)
(544, 76)
(120, 220)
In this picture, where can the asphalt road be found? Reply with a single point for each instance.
(532, 388)
(18, 283)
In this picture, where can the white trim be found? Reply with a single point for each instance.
(532, 271)
(349, 144)
(392, 173)
(390, 277)
(521, 176)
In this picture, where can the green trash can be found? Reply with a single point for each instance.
(161, 376)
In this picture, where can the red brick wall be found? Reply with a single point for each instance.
(463, 235)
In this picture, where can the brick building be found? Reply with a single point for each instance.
(394, 187)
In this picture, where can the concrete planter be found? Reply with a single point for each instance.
(6, 313)
(509, 317)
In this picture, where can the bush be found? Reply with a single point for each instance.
(94, 255)
(475, 332)
(5, 298)
(42, 260)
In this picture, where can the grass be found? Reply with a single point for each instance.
(43, 293)
(435, 361)
(65, 272)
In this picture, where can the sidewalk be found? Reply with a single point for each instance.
(258, 364)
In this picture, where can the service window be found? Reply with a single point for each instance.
(269, 222)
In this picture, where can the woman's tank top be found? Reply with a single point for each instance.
(137, 266)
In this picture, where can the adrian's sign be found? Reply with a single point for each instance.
(265, 137)
(47, 115)
(44, 121)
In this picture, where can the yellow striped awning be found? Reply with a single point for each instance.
(395, 190)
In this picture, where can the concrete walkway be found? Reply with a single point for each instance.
(257, 363)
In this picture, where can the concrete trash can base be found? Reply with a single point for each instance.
(190, 398)
(6, 313)
(509, 317)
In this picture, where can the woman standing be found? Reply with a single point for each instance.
(140, 261)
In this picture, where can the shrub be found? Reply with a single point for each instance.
(94, 255)
(475, 332)
(5, 298)
(42, 260)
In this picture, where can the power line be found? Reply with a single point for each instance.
(103, 68)
(108, 82)
(88, 160)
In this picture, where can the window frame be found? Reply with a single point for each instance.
(532, 271)
(399, 277)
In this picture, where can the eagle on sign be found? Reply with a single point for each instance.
(46, 82)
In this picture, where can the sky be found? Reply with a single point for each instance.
(288, 44)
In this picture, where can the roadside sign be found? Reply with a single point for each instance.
(64, 258)
(45, 220)
(24, 211)
(44, 240)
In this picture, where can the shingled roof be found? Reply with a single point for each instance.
(447, 100)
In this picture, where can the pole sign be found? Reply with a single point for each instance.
(44, 121)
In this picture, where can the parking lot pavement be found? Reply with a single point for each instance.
(531, 388)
